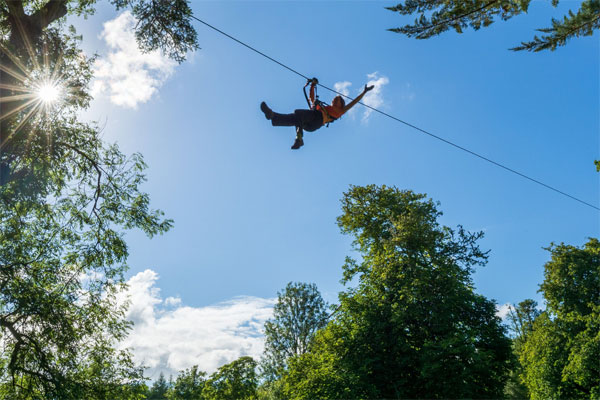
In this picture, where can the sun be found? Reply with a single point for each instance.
(34, 92)
(48, 92)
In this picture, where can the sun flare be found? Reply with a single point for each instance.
(48, 92)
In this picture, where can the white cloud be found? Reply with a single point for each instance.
(503, 310)
(374, 98)
(127, 75)
(168, 336)
(172, 301)
(342, 87)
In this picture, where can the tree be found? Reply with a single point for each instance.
(236, 380)
(188, 385)
(437, 16)
(62, 261)
(560, 355)
(26, 60)
(322, 373)
(413, 326)
(65, 197)
(521, 319)
(159, 389)
(299, 312)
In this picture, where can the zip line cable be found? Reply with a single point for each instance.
(401, 121)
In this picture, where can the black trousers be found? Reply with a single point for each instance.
(308, 120)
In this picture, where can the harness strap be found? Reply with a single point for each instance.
(306, 96)
(318, 104)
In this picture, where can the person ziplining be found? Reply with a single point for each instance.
(297, 121)
(318, 114)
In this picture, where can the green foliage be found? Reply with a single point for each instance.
(572, 279)
(159, 389)
(560, 355)
(299, 312)
(515, 388)
(581, 23)
(188, 385)
(65, 199)
(164, 25)
(236, 380)
(413, 327)
(270, 390)
(437, 16)
(322, 372)
(521, 319)
(63, 257)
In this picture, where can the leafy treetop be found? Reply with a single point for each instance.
(437, 16)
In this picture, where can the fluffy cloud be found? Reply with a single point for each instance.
(168, 336)
(342, 87)
(373, 98)
(127, 75)
(503, 310)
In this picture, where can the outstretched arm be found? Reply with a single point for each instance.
(358, 98)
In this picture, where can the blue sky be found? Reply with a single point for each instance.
(251, 214)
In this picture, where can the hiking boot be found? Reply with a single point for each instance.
(298, 143)
(265, 109)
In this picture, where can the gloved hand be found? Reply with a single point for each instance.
(314, 81)
(367, 88)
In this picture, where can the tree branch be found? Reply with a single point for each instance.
(459, 17)
(15, 8)
(553, 40)
(53, 10)
(96, 167)
(420, 30)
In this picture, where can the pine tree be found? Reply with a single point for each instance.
(437, 16)
(159, 389)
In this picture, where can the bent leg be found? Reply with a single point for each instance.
(307, 119)
(285, 120)
(298, 142)
(311, 119)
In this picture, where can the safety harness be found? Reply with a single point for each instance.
(318, 104)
